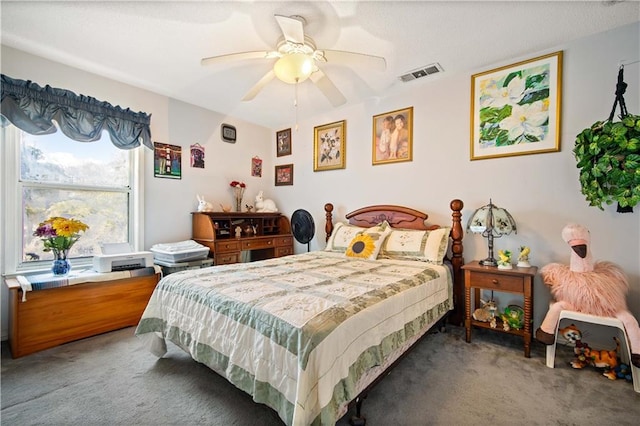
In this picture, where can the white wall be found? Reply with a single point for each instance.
(541, 191)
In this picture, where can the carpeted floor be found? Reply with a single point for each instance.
(110, 380)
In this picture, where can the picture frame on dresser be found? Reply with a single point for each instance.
(515, 109)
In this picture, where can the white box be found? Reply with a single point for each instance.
(182, 251)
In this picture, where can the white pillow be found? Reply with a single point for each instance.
(427, 246)
(341, 236)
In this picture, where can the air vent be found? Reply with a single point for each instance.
(421, 72)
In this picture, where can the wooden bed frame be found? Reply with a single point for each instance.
(404, 217)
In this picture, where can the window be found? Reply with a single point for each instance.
(94, 182)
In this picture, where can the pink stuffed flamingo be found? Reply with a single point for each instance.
(584, 286)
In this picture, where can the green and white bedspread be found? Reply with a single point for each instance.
(298, 333)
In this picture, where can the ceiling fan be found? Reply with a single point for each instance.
(299, 59)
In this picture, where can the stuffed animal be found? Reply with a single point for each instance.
(598, 288)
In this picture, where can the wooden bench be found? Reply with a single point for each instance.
(54, 316)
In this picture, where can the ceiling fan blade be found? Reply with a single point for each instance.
(259, 85)
(327, 87)
(258, 54)
(377, 63)
(292, 29)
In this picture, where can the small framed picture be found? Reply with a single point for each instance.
(330, 146)
(284, 175)
(167, 161)
(393, 136)
(283, 142)
(256, 167)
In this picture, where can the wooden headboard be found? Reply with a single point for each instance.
(408, 218)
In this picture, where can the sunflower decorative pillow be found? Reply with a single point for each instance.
(367, 244)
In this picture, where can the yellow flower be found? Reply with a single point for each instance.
(59, 234)
(68, 227)
(361, 246)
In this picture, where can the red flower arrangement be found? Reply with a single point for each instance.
(238, 189)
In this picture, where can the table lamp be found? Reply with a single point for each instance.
(492, 222)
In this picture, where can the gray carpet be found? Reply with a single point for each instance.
(110, 380)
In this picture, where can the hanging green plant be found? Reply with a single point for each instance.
(608, 156)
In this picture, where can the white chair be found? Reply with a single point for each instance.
(593, 319)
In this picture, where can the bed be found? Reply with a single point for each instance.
(309, 334)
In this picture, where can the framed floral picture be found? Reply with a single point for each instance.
(329, 146)
(284, 174)
(283, 142)
(515, 109)
(393, 136)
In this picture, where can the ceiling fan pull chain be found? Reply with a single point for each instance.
(295, 102)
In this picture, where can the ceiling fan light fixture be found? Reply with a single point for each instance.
(293, 68)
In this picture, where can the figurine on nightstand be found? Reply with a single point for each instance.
(505, 259)
(523, 257)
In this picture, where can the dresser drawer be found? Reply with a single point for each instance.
(283, 241)
(231, 245)
(284, 251)
(257, 243)
(226, 258)
(497, 282)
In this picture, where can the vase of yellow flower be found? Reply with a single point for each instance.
(58, 235)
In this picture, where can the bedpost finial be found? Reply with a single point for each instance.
(456, 205)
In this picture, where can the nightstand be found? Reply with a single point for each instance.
(516, 280)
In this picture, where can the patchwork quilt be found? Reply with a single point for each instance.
(299, 333)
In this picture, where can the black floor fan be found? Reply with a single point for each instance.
(303, 227)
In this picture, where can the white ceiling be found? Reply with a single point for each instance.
(157, 45)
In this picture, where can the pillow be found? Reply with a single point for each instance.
(427, 246)
(343, 233)
(341, 237)
(367, 244)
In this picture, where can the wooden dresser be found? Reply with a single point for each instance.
(228, 235)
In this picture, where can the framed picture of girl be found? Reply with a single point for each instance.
(393, 136)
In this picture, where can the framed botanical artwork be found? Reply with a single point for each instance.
(393, 136)
(167, 161)
(284, 174)
(283, 142)
(515, 109)
(329, 146)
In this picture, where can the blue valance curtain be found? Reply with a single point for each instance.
(32, 108)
